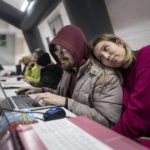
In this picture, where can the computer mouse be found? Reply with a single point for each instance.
(54, 113)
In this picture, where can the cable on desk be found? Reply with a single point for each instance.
(39, 118)
(6, 109)
(11, 110)
(34, 109)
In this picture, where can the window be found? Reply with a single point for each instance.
(3, 41)
(55, 25)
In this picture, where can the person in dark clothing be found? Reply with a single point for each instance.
(50, 73)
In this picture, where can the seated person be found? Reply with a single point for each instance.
(114, 52)
(32, 72)
(25, 61)
(50, 73)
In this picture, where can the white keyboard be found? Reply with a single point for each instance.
(64, 135)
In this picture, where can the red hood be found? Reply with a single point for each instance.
(73, 39)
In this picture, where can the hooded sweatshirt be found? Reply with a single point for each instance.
(72, 39)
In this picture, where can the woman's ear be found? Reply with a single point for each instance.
(119, 42)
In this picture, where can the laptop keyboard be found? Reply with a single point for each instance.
(6, 103)
(23, 101)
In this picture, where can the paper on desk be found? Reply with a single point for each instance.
(14, 84)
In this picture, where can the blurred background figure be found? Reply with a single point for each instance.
(50, 73)
(25, 61)
(32, 72)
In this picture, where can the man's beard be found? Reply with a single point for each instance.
(67, 65)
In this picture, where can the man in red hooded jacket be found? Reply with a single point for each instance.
(69, 50)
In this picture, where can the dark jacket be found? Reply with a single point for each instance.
(50, 76)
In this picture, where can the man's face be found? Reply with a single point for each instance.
(65, 57)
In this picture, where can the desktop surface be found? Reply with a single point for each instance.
(74, 133)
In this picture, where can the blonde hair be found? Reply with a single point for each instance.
(104, 77)
(26, 59)
(38, 51)
(129, 58)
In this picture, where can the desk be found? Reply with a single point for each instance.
(107, 136)
(11, 92)
(46, 136)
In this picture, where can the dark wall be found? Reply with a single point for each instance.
(90, 15)
(40, 9)
(10, 14)
(33, 39)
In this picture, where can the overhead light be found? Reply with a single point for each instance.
(24, 5)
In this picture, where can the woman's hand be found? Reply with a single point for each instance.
(50, 98)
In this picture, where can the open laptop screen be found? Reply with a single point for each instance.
(4, 123)
(1, 88)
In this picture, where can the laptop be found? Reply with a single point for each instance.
(17, 102)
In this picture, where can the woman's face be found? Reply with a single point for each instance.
(110, 54)
(34, 56)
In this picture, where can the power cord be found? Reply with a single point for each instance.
(31, 111)
(6, 109)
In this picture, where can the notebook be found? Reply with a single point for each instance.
(10, 120)
(17, 102)
(8, 123)
(63, 134)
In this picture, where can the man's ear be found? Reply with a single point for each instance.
(119, 42)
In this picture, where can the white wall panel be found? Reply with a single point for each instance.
(131, 20)
(7, 53)
(44, 27)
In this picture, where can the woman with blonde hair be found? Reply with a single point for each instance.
(113, 52)
(33, 71)
(25, 61)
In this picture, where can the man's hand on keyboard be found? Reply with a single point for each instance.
(50, 98)
(29, 90)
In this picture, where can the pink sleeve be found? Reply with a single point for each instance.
(135, 120)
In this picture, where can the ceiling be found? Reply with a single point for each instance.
(4, 26)
(15, 3)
